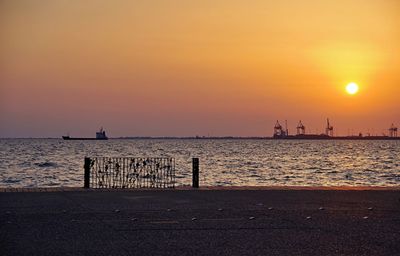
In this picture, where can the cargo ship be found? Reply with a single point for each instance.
(100, 135)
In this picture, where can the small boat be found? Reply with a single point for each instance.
(100, 135)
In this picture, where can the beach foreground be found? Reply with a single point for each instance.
(201, 222)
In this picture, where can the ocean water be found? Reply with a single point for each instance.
(59, 163)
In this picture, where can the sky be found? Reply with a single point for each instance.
(207, 68)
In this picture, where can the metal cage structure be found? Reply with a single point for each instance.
(129, 172)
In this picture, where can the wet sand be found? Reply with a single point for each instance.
(208, 221)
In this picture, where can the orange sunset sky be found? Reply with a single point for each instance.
(186, 68)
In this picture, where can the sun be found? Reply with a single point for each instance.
(352, 88)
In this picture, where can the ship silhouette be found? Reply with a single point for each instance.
(100, 135)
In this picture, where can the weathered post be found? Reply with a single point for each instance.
(86, 166)
(195, 170)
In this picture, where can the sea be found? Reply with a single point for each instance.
(31, 163)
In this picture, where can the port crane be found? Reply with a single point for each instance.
(301, 129)
(329, 128)
(393, 131)
(279, 131)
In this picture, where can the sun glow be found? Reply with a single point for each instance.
(352, 88)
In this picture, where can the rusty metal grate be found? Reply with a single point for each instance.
(129, 172)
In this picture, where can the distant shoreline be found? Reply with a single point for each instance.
(231, 138)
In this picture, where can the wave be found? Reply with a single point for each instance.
(46, 164)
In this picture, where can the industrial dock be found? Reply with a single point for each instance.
(281, 132)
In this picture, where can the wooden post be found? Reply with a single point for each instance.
(195, 170)
(87, 172)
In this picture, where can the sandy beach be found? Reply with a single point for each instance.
(208, 221)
